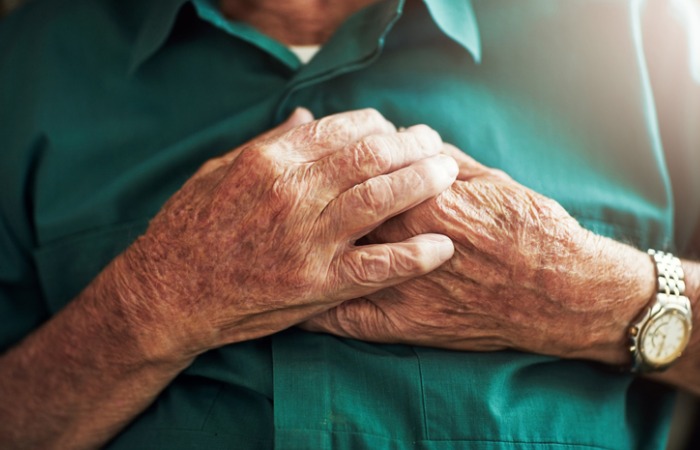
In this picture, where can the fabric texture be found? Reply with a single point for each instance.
(108, 106)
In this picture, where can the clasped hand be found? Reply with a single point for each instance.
(263, 237)
(525, 275)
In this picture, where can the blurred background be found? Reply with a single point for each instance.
(685, 434)
(7, 5)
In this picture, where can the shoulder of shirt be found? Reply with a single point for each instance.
(33, 24)
(35, 42)
(35, 38)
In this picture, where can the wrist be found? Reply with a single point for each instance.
(616, 282)
(143, 305)
(88, 371)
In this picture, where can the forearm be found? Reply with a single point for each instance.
(84, 375)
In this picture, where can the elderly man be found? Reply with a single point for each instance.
(334, 282)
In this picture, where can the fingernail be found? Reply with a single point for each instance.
(444, 245)
(446, 248)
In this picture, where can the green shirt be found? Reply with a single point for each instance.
(108, 106)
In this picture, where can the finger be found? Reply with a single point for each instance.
(320, 138)
(357, 318)
(366, 269)
(360, 209)
(470, 168)
(375, 155)
(401, 227)
(298, 117)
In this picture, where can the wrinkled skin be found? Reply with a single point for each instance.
(256, 241)
(520, 278)
(263, 237)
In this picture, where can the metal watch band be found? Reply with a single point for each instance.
(669, 297)
(670, 279)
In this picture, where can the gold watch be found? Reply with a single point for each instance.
(660, 335)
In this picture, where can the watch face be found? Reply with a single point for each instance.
(664, 338)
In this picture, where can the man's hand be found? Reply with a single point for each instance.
(263, 238)
(525, 275)
(256, 241)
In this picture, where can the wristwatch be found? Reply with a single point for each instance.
(661, 333)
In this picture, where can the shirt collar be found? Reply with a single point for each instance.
(456, 18)
(157, 25)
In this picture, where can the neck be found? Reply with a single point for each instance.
(293, 22)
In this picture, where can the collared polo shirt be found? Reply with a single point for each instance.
(108, 106)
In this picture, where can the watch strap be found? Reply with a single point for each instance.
(670, 295)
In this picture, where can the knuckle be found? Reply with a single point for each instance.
(356, 318)
(417, 180)
(374, 196)
(412, 260)
(434, 139)
(448, 202)
(265, 177)
(371, 155)
(373, 116)
(338, 128)
(210, 166)
(423, 140)
(343, 320)
(316, 130)
(415, 261)
(254, 154)
(550, 208)
(328, 125)
(420, 128)
(364, 267)
(430, 135)
(266, 153)
(261, 159)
